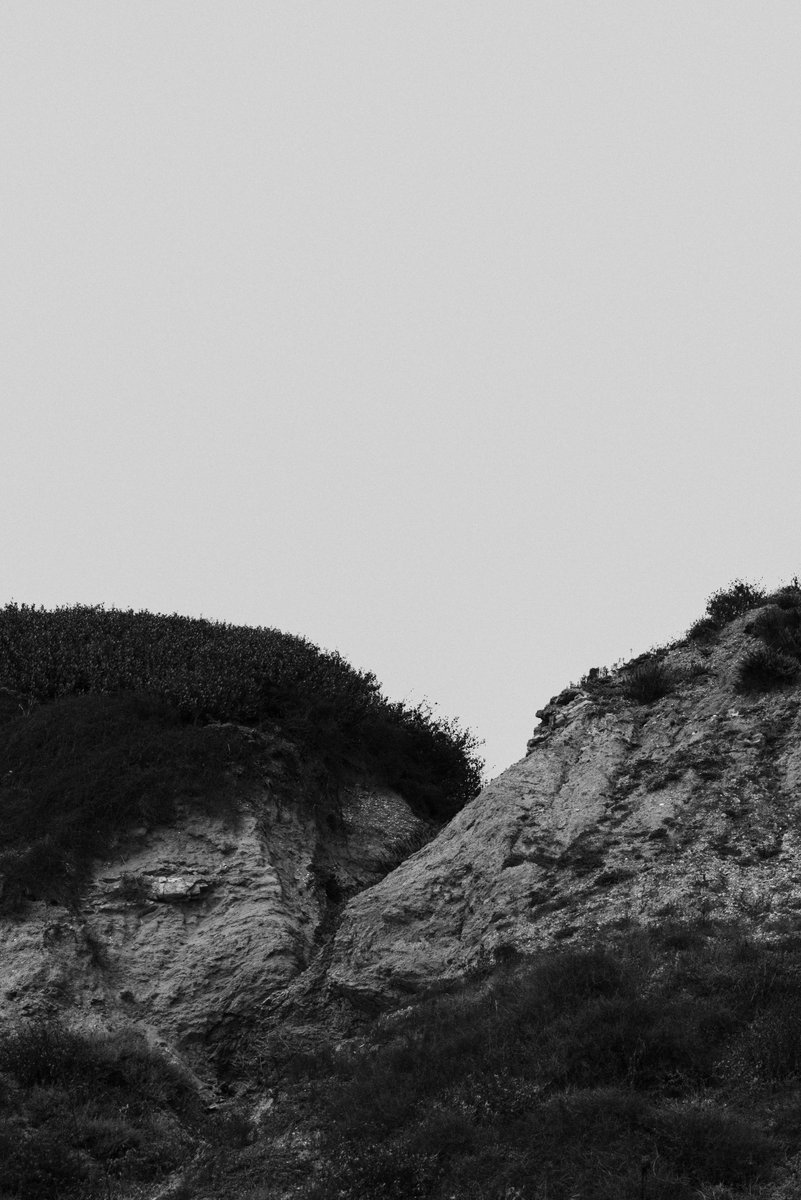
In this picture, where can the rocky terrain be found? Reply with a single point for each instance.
(619, 812)
(587, 984)
(185, 928)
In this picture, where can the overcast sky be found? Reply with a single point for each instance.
(462, 337)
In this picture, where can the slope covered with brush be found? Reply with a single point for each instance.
(115, 719)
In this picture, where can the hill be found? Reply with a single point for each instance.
(285, 980)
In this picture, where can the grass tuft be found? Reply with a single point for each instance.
(647, 681)
(764, 668)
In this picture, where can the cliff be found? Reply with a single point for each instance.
(184, 928)
(282, 981)
(620, 812)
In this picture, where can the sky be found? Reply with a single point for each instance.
(463, 338)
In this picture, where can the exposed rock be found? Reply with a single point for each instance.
(619, 812)
(190, 925)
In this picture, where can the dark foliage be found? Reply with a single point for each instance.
(711, 1145)
(779, 628)
(78, 1112)
(730, 602)
(703, 630)
(647, 681)
(763, 668)
(787, 596)
(208, 671)
(575, 1075)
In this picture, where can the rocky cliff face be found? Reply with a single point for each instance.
(619, 812)
(188, 927)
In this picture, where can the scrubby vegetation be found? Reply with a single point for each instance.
(660, 1064)
(130, 713)
(763, 668)
(732, 601)
(81, 1113)
(776, 660)
(702, 630)
(663, 1063)
(647, 680)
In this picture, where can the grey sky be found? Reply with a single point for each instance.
(461, 337)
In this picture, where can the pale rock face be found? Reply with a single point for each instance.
(620, 812)
(189, 926)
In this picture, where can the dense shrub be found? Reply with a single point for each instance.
(39, 1164)
(46, 1053)
(209, 671)
(787, 596)
(384, 1172)
(647, 681)
(771, 1046)
(730, 602)
(84, 1110)
(763, 668)
(779, 628)
(575, 1074)
(712, 1145)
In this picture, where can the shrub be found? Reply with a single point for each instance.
(39, 1164)
(763, 668)
(638, 1040)
(133, 889)
(574, 1074)
(779, 628)
(82, 1109)
(788, 596)
(714, 1145)
(384, 1172)
(647, 681)
(703, 630)
(724, 605)
(771, 1047)
(45, 1053)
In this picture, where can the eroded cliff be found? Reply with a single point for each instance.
(620, 812)
(187, 927)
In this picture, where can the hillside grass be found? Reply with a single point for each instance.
(94, 1114)
(659, 1064)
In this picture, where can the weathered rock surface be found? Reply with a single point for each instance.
(620, 811)
(189, 926)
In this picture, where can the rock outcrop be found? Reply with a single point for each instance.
(620, 812)
(188, 927)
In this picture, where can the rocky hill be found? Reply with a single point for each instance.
(587, 983)
(621, 811)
